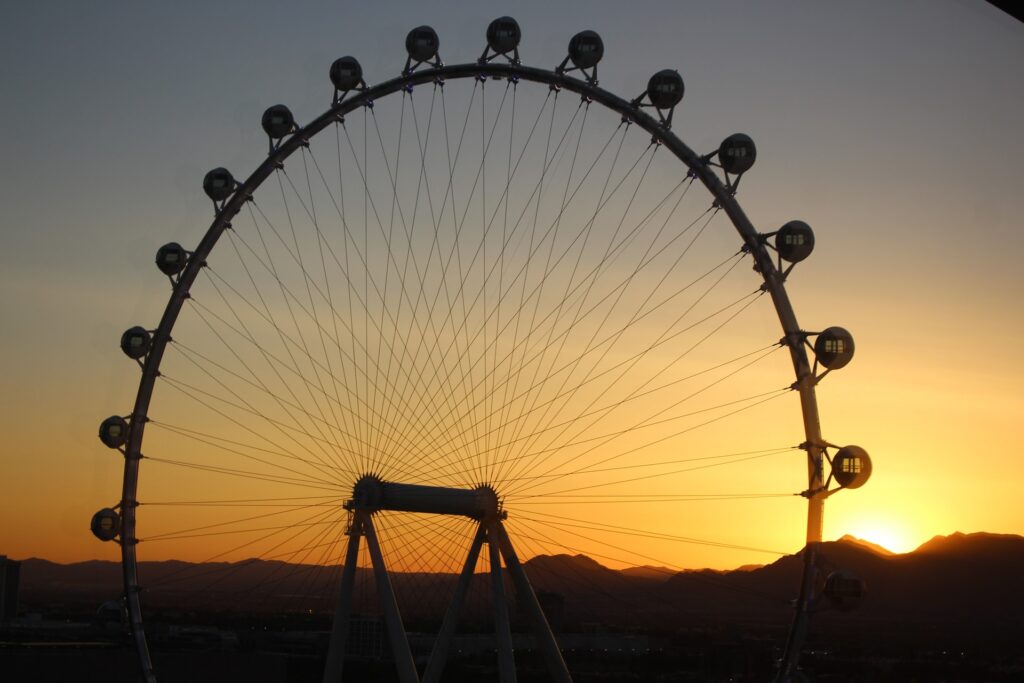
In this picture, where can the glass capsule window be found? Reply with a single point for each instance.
(835, 346)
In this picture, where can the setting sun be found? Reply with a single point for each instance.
(887, 531)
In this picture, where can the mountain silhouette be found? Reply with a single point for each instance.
(959, 587)
(648, 571)
(874, 547)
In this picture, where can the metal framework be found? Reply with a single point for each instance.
(490, 527)
(372, 495)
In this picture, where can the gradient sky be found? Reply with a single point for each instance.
(894, 129)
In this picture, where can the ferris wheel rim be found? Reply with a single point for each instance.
(773, 279)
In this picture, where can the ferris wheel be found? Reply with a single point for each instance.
(480, 304)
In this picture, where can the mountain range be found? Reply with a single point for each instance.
(957, 587)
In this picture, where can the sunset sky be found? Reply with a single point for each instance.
(894, 129)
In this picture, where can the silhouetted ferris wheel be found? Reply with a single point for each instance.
(480, 304)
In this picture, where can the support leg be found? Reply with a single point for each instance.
(343, 609)
(404, 664)
(502, 630)
(799, 627)
(439, 654)
(528, 600)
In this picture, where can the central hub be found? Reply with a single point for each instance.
(370, 493)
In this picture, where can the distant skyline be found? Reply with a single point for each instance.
(894, 130)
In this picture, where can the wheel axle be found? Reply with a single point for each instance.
(371, 494)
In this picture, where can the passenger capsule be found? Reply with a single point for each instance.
(794, 241)
(218, 184)
(135, 342)
(844, 590)
(171, 258)
(111, 614)
(851, 467)
(665, 89)
(106, 524)
(278, 121)
(834, 348)
(586, 49)
(422, 44)
(503, 35)
(346, 73)
(114, 431)
(737, 153)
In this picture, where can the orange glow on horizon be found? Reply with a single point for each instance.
(890, 533)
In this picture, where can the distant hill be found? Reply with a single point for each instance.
(981, 543)
(957, 588)
(874, 547)
(962, 586)
(649, 572)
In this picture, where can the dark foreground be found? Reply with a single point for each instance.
(951, 611)
(65, 651)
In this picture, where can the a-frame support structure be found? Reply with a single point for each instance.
(370, 495)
